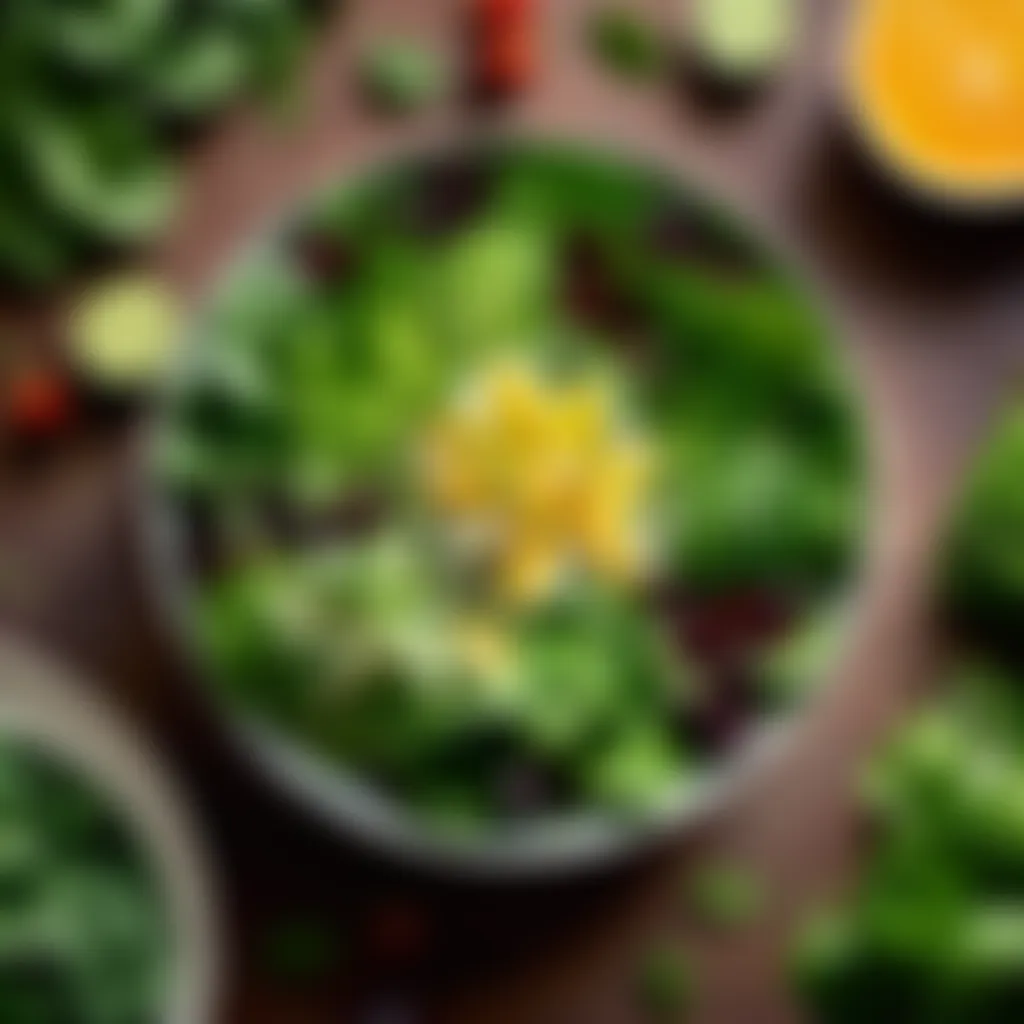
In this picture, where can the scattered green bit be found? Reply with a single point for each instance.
(725, 895)
(626, 43)
(799, 664)
(403, 75)
(301, 949)
(122, 332)
(665, 986)
(826, 945)
(743, 39)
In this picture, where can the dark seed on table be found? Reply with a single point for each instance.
(388, 1009)
(398, 932)
(323, 258)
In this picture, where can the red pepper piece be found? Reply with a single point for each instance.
(39, 404)
(504, 13)
(508, 60)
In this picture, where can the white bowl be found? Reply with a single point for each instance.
(40, 702)
(568, 843)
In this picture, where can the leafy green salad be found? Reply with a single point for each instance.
(515, 483)
(83, 929)
(935, 929)
(93, 97)
(934, 932)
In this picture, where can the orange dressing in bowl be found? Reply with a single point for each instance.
(939, 87)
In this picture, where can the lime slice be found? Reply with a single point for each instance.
(743, 39)
(122, 332)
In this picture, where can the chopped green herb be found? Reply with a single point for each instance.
(301, 949)
(402, 76)
(724, 895)
(800, 662)
(664, 986)
(626, 43)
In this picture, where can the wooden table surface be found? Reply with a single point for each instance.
(931, 310)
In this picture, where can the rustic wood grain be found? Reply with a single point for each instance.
(932, 311)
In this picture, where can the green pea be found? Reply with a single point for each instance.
(402, 76)
(626, 43)
(725, 895)
(664, 986)
(301, 949)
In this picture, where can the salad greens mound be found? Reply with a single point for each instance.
(517, 483)
(82, 927)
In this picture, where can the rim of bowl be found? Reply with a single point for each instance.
(337, 796)
(47, 705)
(900, 167)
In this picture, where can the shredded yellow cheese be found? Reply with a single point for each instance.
(543, 475)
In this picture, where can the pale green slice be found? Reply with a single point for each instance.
(743, 39)
(123, 331)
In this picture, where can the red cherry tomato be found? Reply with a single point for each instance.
(39, 403)
(509, 61)
(505, 13)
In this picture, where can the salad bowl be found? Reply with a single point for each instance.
(509, 499)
